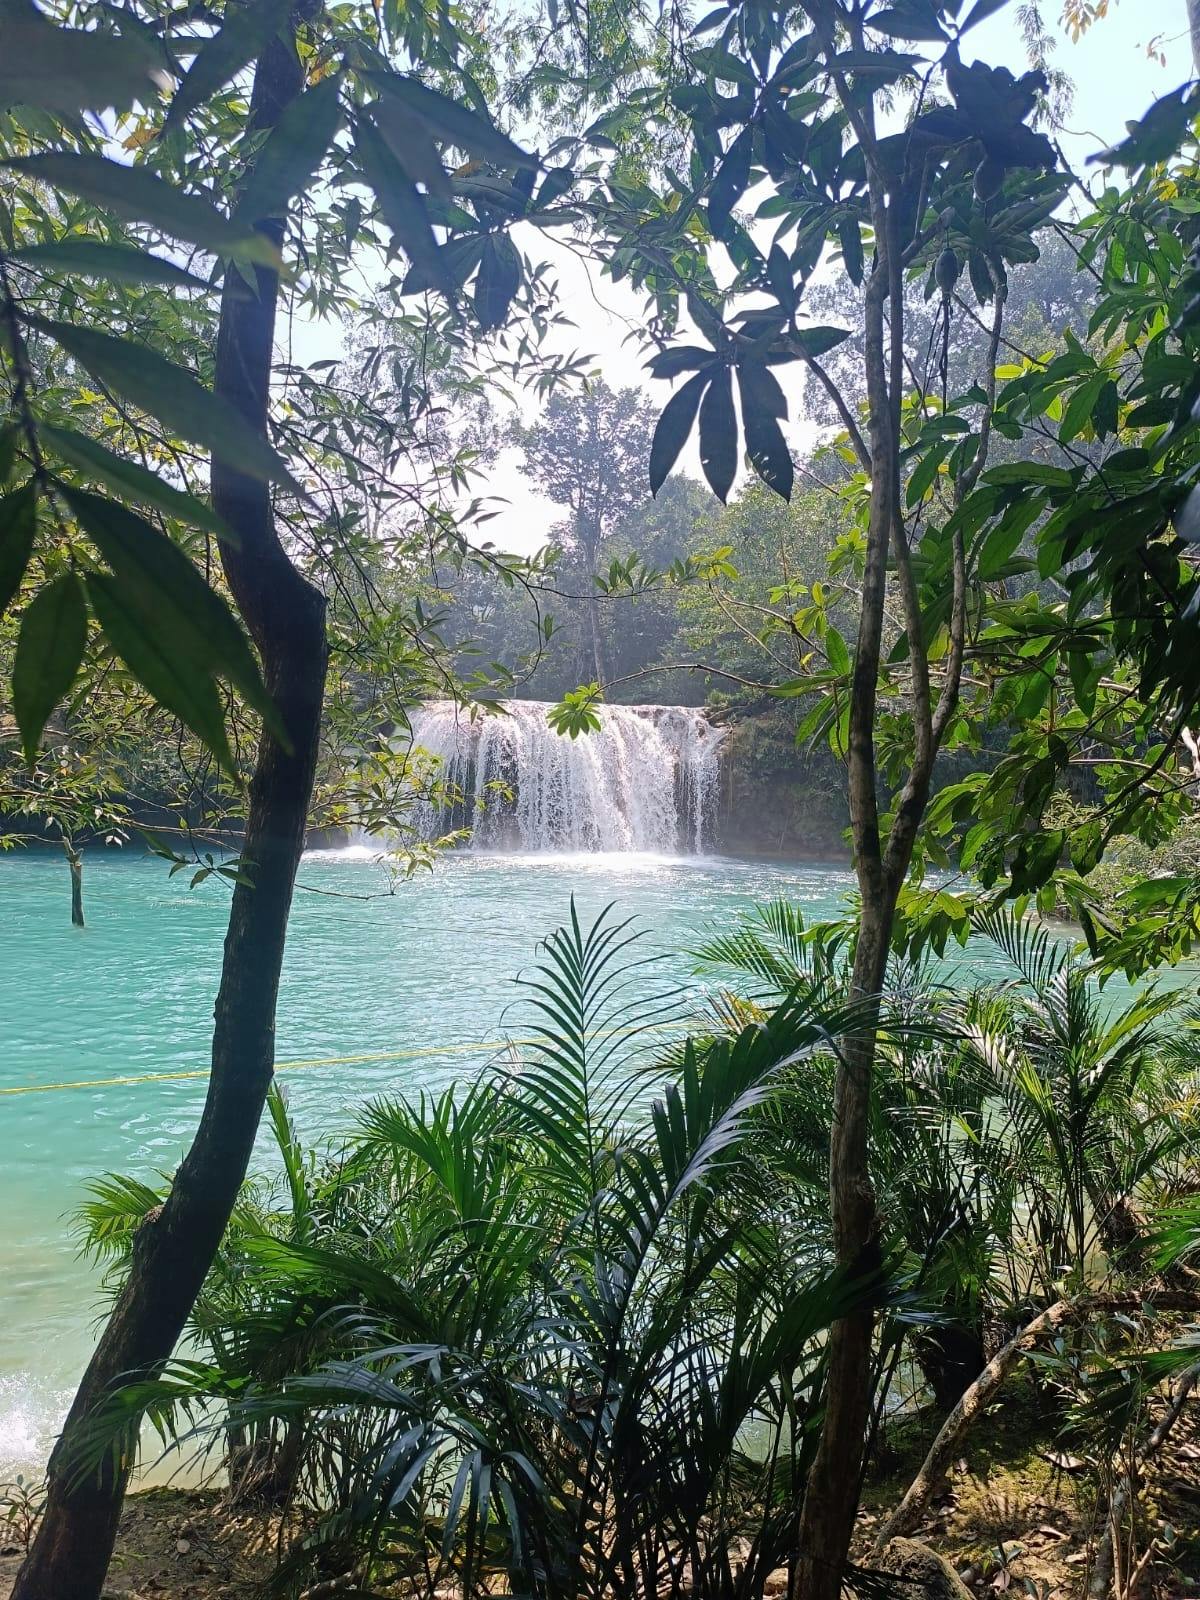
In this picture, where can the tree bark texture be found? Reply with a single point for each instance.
(75, 863)
(176, 1244)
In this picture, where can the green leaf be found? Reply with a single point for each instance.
(114, 263)
(1036, 858)
(157, 578)
(165, 391)
(18, 527)
(161, 665)
(65, 70)
(719, 435)
(1030, 472)
(131, 479)
(137, 195)
(293, 151)
(449, 120)
(49, 650)
(498, 281)
(402, 205)
(763, 403)
(731, 180)
(836, 650)
(816, 341)
(239, 39)
(10, 435)
(671, 432)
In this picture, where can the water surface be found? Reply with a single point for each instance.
(417, 978)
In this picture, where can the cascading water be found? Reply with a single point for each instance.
(645, 780)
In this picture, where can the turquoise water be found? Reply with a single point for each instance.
(368, 971)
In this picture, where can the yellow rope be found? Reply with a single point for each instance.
(298, 1066)
(280, 1066)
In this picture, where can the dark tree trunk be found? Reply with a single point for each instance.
(951, 1356)
(75, 863)
(596, 628)
(176, 1244)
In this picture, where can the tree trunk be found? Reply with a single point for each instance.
(75, 862)
(832, 1490)
(597, 632)
(1194, 25)
(176, 1244)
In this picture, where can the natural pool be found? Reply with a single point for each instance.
(414, 982)
(426, 967)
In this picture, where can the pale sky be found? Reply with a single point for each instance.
(1115, 81)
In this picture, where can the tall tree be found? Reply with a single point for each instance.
(588, 454)
(89, 577)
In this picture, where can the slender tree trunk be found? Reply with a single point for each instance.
(1194, 25)
(176, 1244)
(597, 631)
(75, 863)
(832, 1490)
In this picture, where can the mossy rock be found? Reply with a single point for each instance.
(925, 1574)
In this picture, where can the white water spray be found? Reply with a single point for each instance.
(645, 780)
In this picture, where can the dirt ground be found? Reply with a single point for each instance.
(179, 1544)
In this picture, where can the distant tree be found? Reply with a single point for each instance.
(588, 453)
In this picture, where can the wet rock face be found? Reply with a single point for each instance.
(924, 1574)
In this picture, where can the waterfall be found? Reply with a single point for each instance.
(645, 780)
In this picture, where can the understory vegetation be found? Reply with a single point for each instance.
(909, 498)
(564, 1326)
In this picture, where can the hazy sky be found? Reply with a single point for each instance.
(1115, 80)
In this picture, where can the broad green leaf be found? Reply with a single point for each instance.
(498, 281)
(402, 205)
(731, 180)
(9, 436)
(65, 70)
(137, 195)
(835, 649)
(160, 663)
(49, 650)
(671, 432)
(293, 151)
(131, 479)
(767, 447)
(165, 391)
(18, 526)
(241, 36)
(447, 119)
(816, 341)
(1030, 472)
(115, 263)
(157, 577)
(719, 435)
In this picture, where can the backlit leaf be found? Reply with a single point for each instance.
(18, 525)
(403, 208)
(718, 435)
(137, 195)
(498, 281)
(49, 650)
(176, 680)
(452, 121)
(293, 151)
(165, 391)
(114, 263)
(131, 479)
(157, 577)
(66, 70)
(671, 432)
(241, 36)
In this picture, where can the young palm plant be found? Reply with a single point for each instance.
(534, 1337)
